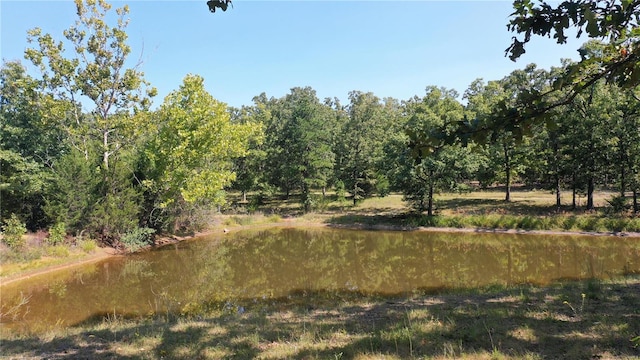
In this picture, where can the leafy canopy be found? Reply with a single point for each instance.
(196, 143)
(612, 21)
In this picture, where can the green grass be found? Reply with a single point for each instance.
(529, 210)
(566, 320)
(529, 222)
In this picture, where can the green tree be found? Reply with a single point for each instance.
(95, 73)
(298, 137)
(306, 141)
(625, 138)
(390, 166)
(29, 146)
(548, 167)
(250, 169)
(73, 192)
(191, 155)
(361, 144)
(433, 164)
(614, 20)
(508, 142)
(586, 140)
(280, 173)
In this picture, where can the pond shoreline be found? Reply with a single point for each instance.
(500, 313)
(485, 230)
(105, 253)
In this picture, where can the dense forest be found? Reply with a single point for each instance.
(83, 151)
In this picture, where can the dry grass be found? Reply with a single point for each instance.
(482, 201)
(37, 255)
(526, 322)
(523, 202)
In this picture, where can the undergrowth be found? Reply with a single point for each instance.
(590, 223)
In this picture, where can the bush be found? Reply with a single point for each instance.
(255, 202)
(13, 232)
(315, 202)
(382, 186)
(23, 255)
(57, 233)
(57, 251)
(618, 204)
(87, 245)
(341, 192)
(137, 239)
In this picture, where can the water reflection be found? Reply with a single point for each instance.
(286, 264)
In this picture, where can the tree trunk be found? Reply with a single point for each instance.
(573, 192)
(623, 185)
(355, 192)
(507, 169)
(306, 194)
(430, 204)
(635, 200)
(590, 194)
(558, 202)
(355, 187)
(244, 196)
(557, 172)
(105, 154)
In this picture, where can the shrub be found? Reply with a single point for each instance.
(382, 186)
(13, 232)
(570, 223)
(23, 255)
(57, 233)
(87, 245)
(315, 202)
(341, 192)
(633, 225)
(230, 221)
(245, 220)
(618, 204)
(255, 202)
(57, 251)
(137, 239)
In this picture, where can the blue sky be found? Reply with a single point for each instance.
(391, 48)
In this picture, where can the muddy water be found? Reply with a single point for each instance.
(237, 270)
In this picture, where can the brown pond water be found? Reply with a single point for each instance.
(248, 269)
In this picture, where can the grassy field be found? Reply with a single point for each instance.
(528, 210)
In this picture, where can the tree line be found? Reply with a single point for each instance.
(372, 146)
(83, 151)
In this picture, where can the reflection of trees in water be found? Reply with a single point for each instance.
(275, 263)
(257, 267)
